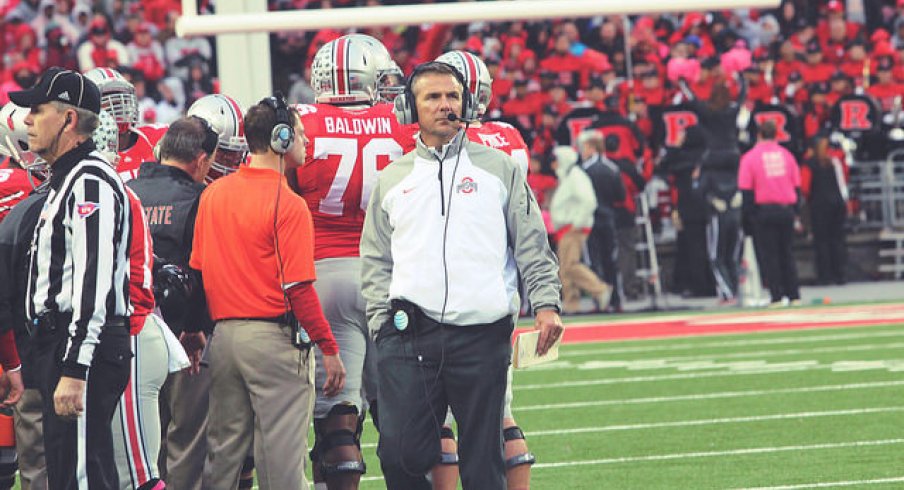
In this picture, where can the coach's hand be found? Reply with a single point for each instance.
(550, 326)
(335, 375)
(16, 388)
(67, 399)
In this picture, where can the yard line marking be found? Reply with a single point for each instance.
(849, 483)
(699, 422)
(663, 377)
(653, 363)
(731, 343)
(709, 396)
(659, 363)
(710, 454)
(729, 420)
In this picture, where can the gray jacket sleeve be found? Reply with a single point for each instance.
(376, 260)
(537, 264)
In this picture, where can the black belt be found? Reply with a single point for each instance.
(53, 322)
(284, 319)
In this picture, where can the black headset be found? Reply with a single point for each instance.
(211, 138)
(405, 105)
(282, 136)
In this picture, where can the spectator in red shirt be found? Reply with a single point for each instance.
(24, 76)
(886, 88)
(816, 70)
(788, 63)
(757, 88)
(521, 105)
(839, 86)
(854, 61)
(146, 54)
(835, 22)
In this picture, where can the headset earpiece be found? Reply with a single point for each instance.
(405, 105)
(282, 136)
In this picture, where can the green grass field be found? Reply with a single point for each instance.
(811, 408)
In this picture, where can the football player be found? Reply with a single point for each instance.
(351, 138)
(495, 134)
(136, 421)
(224, 115)
(136, 143)
(503, 137)
(15, 181)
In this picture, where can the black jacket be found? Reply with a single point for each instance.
(680, 163)
(607, 184)
(16, 233)
(170, 198)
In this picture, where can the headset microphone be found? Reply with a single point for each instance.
(455, 117)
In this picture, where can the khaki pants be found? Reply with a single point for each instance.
(183, 416)
(30, 441)
(262, 391)
(576, 276)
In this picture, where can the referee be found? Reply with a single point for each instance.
(77, 298)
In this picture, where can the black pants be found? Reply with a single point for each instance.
(84, 445)
(775, 231)
(603, 249)
(724, 240)
(424, 371)
(693, 274)
(829, 240)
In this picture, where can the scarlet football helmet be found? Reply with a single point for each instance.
(390, 78)
(476, 76)
(117, 96)
(224, 115)
(344, 72)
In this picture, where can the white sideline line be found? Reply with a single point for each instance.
(699, 422)
(735, 355)
(849, 483)
(731, 343)
(730, 420)
(708, 396)
(664, 377)
(710, 454)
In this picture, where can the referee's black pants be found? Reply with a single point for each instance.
(79, 452)
(427, 369)
(775, 234)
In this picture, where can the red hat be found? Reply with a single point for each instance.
(880, 35)
(834, 6)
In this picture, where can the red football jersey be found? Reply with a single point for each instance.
(142, 151)
(503, 137)
(346, 150)
(14, 186)
(141, 263)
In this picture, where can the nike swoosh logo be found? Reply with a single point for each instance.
(406, 191)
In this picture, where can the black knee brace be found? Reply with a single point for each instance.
(512, 433)
(326, 441)
(447, 458)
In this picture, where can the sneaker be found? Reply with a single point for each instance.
(796, 302)
(776, 304)
(602, 299)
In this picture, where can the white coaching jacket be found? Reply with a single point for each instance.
(437, 232)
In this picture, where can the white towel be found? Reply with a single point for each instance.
(178, 359)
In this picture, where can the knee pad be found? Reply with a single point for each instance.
(342, 427)
(9, 465)
(511, 434)
(447, 458)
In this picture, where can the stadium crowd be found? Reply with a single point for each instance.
(740, 119)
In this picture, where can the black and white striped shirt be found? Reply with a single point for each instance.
(79, 256)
